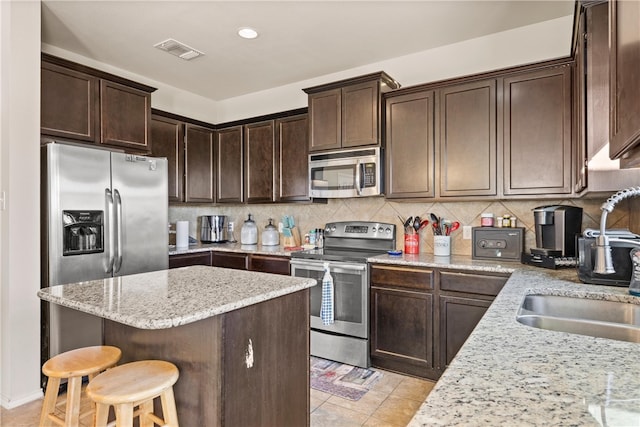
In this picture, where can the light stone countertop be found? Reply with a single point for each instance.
(168, 298)
(515, 375)
(230, 247)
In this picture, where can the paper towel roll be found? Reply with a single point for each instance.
(182, 234)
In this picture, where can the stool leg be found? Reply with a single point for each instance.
(169, 412)
(49, 403)
(124, 415)
(72, 413)
(101, 415)
(145, 409)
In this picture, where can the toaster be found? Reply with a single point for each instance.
(619, 254)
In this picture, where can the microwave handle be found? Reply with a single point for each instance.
(358, 177)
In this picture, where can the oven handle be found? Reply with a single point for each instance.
(319, 266)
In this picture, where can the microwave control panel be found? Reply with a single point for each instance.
(369, 175)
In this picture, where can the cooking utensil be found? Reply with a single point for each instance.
(416, 223)
(408, 224)
(423, 224)
(454, 226)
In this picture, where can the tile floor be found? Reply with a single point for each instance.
(391, 402)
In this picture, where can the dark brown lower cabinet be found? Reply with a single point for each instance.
(269, 264)
(421, 317)
(185, 260)
(237, 261)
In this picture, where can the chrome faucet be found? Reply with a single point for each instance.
(603, 261)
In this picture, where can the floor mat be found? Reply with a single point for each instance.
(340, 379)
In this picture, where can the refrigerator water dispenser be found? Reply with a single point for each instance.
(83, 232)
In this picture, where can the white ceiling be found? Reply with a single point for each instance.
(298, 40)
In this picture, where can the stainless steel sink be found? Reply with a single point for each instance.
(596, 318)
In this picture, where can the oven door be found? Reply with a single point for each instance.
(351, 293)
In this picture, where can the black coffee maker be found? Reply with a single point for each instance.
(556, 228)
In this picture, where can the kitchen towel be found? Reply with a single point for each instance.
(182, 234)
(326, 306)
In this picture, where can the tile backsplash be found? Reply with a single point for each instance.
(315, 215)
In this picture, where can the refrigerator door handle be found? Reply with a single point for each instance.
(118, 227)
(109, 209)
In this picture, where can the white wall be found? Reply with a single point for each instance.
(19, 222)
(533, 43)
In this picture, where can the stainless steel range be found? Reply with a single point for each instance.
(347, 245)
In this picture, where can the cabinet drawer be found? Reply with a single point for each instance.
(472, 283)
(411, 278)
(269, 264)
(184, 260)
(230, 260)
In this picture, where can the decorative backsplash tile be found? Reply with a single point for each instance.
(311, 216)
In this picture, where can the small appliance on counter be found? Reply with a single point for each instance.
(213, 229)
(270, 235)
(249, 232)
(556, 227)
(620, 254)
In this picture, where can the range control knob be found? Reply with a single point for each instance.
(388, 230)
(380, 230)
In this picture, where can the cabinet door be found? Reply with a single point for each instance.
(410, 146)
(229, 165)
(125, 117)
(229, 260)
(325, 115)
(467, 142)
(402, 331)
(259, 159)
(68, 103)
(458, 317)
(168, 141)
(199, 178)
(361, 114)
(624, 41)
(537, 132)
(292, 136)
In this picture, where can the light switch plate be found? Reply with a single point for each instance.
(466, 232)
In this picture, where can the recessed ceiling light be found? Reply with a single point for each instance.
(247, 33)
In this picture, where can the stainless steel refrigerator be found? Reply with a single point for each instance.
(104, 214)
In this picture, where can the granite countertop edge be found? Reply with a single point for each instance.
(236, 247)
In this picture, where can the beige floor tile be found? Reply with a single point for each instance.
(396, 410)
(413, 388)
(330, 415)
(320, 395)
(367, 403)
(375, 422)
(388, 382)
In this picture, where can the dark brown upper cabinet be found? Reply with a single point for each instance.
(292, 163)
(467, 142)
(624, 42)
(199, 164)
(410, 168)
(259, 162)
(69, 103)
(88, 105)
(537, 132)
(229, 165)
(347, 113)
(168, 141)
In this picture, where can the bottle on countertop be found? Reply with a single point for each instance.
(249, 232)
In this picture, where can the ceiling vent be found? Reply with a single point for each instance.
(178, 49)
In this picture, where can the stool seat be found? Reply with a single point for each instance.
(135, 384)
(82, 361)
(73, 365)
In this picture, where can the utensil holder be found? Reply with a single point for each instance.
(412, 243)
(442, 245)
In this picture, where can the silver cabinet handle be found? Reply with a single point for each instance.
(118, 204)
(109, 210)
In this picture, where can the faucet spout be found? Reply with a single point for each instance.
(603, 261)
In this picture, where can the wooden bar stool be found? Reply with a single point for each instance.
(73, 365)
(132, 385)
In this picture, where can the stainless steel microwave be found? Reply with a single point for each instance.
(346, 173)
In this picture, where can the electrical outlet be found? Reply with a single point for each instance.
(466, 232)
(231, 226)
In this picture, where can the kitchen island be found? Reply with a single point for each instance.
(240, 339)
(507, 373)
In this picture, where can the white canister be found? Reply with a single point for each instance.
(442, 245)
